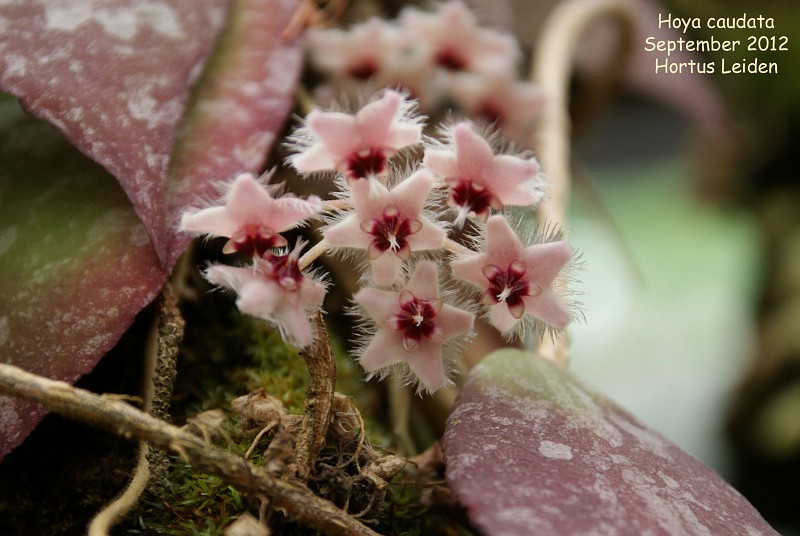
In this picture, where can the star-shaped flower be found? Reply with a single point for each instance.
(507, 103)
(388, 224)
(456, 42)
(251, 217)
(516, 280)
(479, 180)
(413, 324)
(364, 51)
(359, 145)
(275, 290)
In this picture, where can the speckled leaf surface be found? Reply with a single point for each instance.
(114, 76)
(241, 104)
(76, 264)
(530, 450)
(64, 306)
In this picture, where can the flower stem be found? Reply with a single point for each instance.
(319, 400)
(336, 204)
(552, 67)
(313, 254)
(457, 248)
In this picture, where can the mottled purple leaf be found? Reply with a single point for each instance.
(76, 264)
(530, 450)
(114, 76)
(241, 105)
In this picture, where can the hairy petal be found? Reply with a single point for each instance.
(293, 320)
(247, 199)
(374, 121)
(386, 268)
(426, 363)
(212, 220)
(315, 158)
(336, 131)
(379, 304)
(502, 244)
(260, 298)
(547, 260)
(424, 282)
(509, 174)
(430, 236)
(384, 350)
(454, 321)
(473, 152)
(411, 194)
(501, 318)
(548, 307)
(348, 234)
(442, 162)
(471, 269)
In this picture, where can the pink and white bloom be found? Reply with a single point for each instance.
(275, 290)
(359, 145)
(365, 51)
(455, 42)
(250, 217)
(370, 56)
(413, 325)
(510, 105)
(388, 224)
(480, 180)
(516, 280)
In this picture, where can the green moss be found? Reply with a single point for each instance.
(276, 366)
(194, 503)
(226, 355)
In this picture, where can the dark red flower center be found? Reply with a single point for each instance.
(509, 286)
(450, 59)
(472, 198)
(285, 269)
(366, 163)
(491, 113)
(254, 241)
(363, 70)
(390, 233)
(416, 320)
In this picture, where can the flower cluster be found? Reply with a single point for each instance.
(443, 56)
(429, 215)
(400, 222)
(274, 288)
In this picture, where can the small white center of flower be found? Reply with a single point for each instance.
(418, 318)
(394, 245)
(504, 294)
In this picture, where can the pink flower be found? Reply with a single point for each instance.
(516, 280)
(456, 43)
(388, 224)
(364, 51)
(251, 217)
(359, 145)
(275, 290)
(508, 104)
(413, 325)
(479, 180)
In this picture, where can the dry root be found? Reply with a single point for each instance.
(348, 471)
